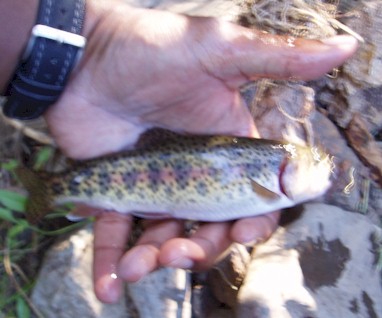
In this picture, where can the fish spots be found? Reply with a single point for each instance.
(119, 194)
(202, 188)
(75, 183)
(182, 170)
(154, 175)
(78, 179)
(89, 192)
(140, 192)
(116, 179)
(104, 181)
(130, 178)
(74, 188)
(57, 187)
(169, 191)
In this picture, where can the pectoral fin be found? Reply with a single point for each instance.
(264, 192)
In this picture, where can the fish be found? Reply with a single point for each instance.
(195, 177)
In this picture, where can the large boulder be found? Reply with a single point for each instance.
(325, 264)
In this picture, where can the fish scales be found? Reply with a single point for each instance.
(168, 173)
(209, 178)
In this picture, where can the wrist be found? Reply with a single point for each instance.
(54, 47)
(100, 22)
(97, 11)
(19, 17)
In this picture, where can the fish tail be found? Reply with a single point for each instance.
(39, 202)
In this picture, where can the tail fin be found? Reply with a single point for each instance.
(39, 202)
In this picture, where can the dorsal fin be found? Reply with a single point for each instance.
(155, 137)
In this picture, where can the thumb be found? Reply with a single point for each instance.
(231, 51)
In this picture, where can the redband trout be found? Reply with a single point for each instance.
(206, 178)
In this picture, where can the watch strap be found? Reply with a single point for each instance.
(52, 52)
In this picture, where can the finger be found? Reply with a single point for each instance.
(200, 250)
(111, 230)
(143, 258)
(253, 230)
(229, 50)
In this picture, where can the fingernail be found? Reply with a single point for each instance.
(253, 242)
(343, 41)
(181, 262)
(108, 288)
(139, 262)
(250, 244)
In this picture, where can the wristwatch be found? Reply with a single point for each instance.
(53, 50)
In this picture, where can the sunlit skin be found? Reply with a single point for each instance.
(145, 68)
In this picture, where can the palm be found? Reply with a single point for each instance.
(176, 87)
(172, 71)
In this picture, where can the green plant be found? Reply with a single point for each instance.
(21, 244)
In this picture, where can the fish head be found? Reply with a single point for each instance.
(305, 173)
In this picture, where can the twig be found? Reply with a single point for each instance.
(39, 136)
(8, 269)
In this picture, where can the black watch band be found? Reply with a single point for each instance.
(53, 50)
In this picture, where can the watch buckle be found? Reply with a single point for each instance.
(60, 36)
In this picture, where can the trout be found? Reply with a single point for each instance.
(205, 178)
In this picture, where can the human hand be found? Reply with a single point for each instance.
(146, 68)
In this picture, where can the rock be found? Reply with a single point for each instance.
(215, 291)
(365, 146)
(365, 68)
(64, 287)
(316, 267)
(225, 278)
(164, 293)
(358, 86)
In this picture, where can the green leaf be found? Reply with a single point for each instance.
(21, 226)
(63, 230)
(10, 165)
(13, 201)
(22, 308)
(43, 156)
(6, 215)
